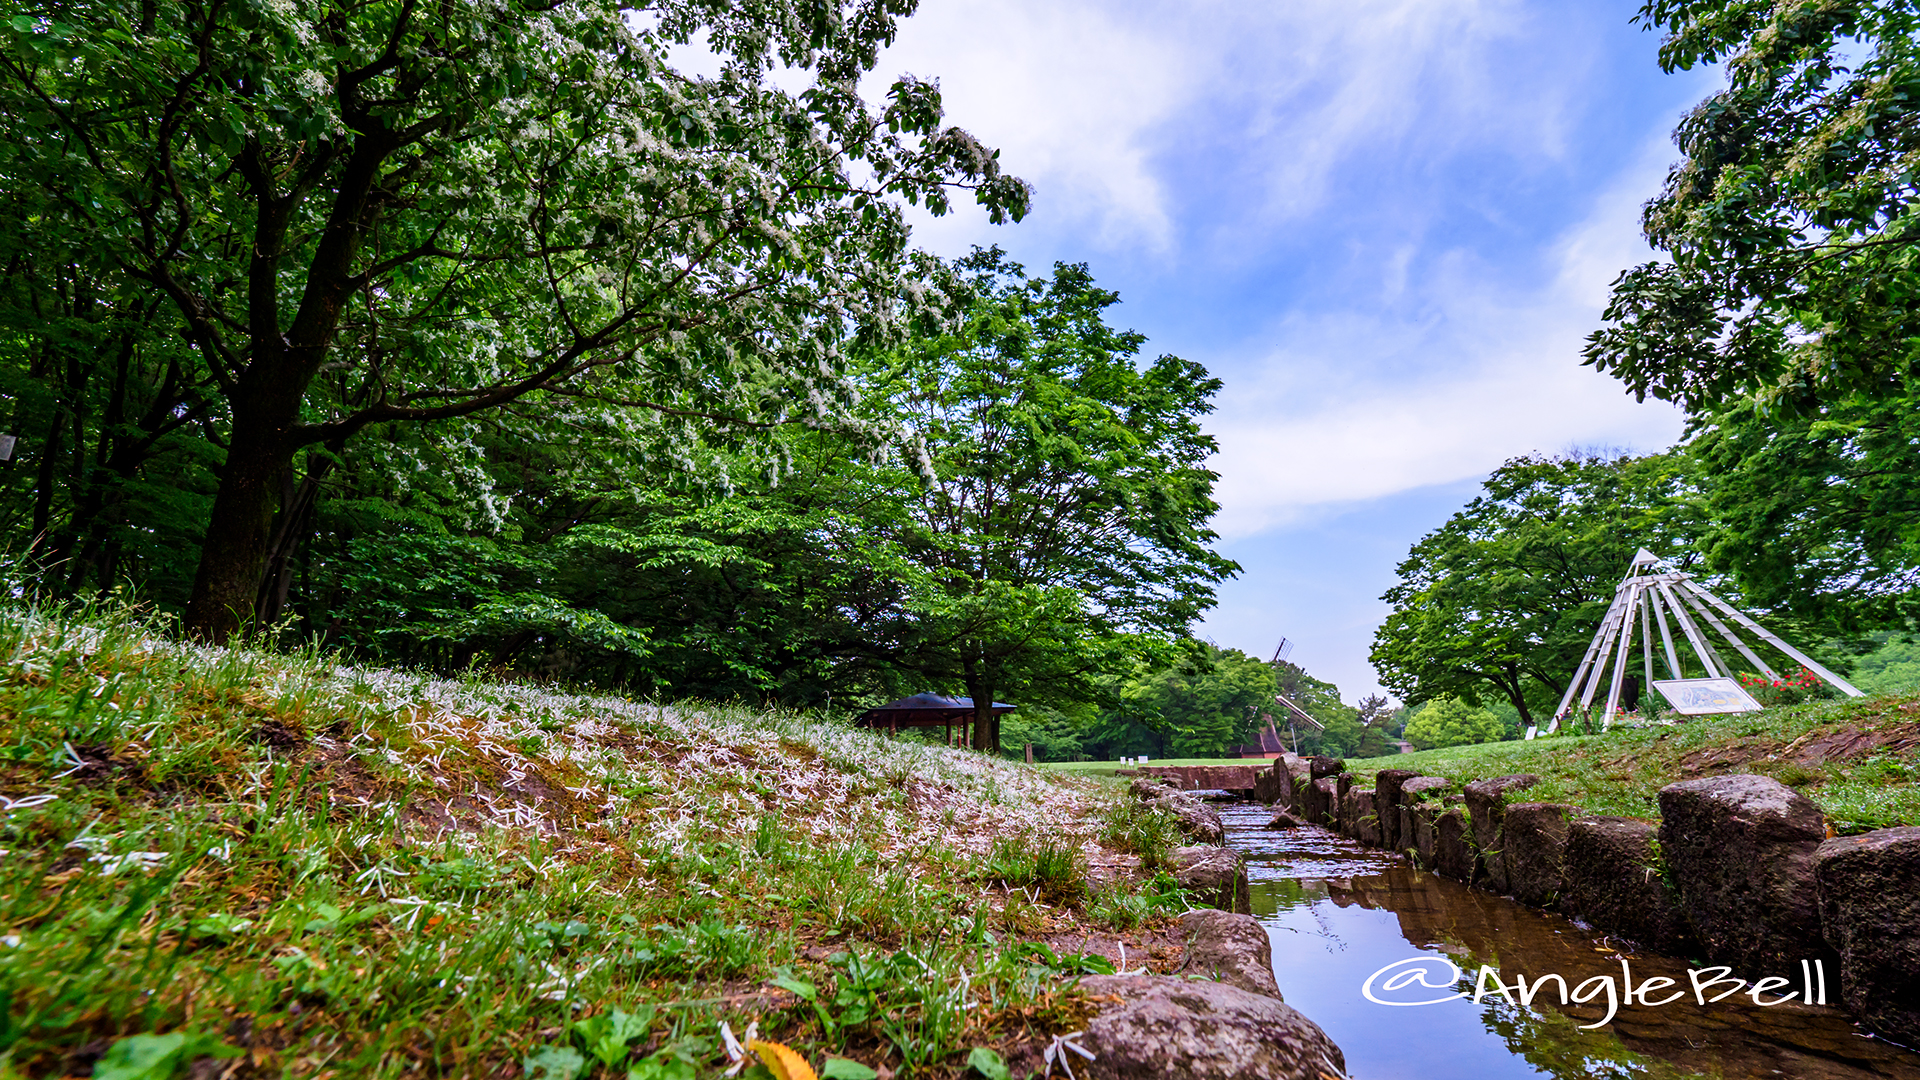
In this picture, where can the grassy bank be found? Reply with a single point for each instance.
(1857, 758)
(312, 870)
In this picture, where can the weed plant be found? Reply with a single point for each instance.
(218, 853)
(1124, 907)
(1146, 831)
(1051, 866)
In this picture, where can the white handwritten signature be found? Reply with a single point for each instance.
(1420, 975)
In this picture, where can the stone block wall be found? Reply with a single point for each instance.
(1739, 871)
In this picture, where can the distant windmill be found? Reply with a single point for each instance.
(1293, 711)
(1647, 596)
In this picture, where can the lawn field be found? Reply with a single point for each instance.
(1858, 759)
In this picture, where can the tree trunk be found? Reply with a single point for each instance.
(233, 557)
(1511, 687)
(279, 366)
(297, 507)
(986, 733)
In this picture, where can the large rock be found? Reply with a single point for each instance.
(1229, 947)
(1386, 803)
(1300, 774)
(1366, 819)
(1171, 1028)
(1742, 851)
(1869, 891)
(1614, 882)
(1535, 853)
(1417, 788)
(1452, 854)
(1320, 801)
(1216, 876)
(1274, 787)
(1148, 788)
(1197, 820)
(1417, 816)
(1321, 765)
(1486, 803)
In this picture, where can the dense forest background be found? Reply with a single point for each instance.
(445, 348)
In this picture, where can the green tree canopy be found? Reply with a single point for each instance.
(1448, 721)
(1816, 514)
(287, 223)
(1037, 519)
(1211, 701)
(1205, 707)
(1063, 525)
(1784, 318)
(1504, 598)
(1791, 223)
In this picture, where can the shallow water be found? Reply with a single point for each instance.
(1338, 913)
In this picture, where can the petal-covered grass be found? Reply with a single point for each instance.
(280, 865)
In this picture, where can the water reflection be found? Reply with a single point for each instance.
(1338, 912)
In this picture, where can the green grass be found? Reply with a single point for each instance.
(1146, 831)
(350, 872)
(1622, 771)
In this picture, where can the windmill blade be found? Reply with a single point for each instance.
(1298, 711)
(1280, 654)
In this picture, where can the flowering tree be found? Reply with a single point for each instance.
(299, 218)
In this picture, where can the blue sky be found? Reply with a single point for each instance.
(1386, 225)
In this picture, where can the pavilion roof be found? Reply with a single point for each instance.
(926, 708)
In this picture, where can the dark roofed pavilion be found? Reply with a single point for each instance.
(927, 710)
(1267, 744)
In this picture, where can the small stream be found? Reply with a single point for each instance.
(1338, 913)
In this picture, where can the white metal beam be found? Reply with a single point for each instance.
(1843, 685)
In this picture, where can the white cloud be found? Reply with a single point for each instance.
(1128, 118)
(1358, 404)
(1066, 91)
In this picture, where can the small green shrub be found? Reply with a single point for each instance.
(1146, 831)
(1051, 866)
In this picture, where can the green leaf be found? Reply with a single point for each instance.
(219, 926)
(846, 1069)
(141, 1057)
(326, 917)
(804, 989)
(554, 1063)
(988, 1063)
(158, 1057)
(663, 1066)
(608, 1034)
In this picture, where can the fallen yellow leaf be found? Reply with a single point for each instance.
(781, 1060)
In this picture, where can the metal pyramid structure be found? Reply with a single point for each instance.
(1648, 595)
